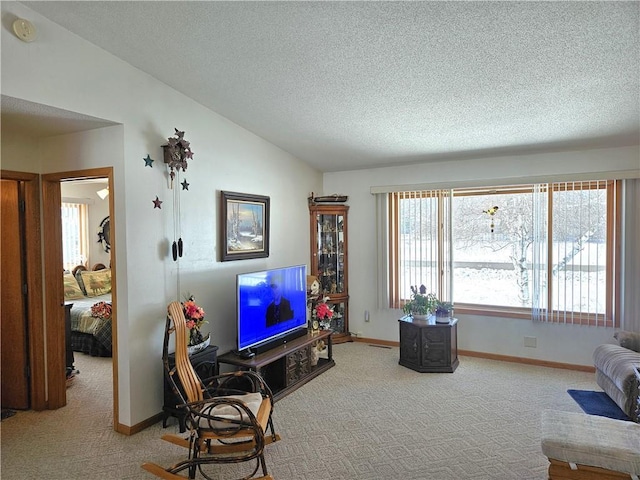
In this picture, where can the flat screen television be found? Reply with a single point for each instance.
(271, 307)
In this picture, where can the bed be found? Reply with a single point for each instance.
(83, 289)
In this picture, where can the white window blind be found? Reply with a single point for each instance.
(573, 254)
(75, 233)
(420, 244)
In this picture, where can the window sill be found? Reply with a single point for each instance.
(522, 314)
(493, 311)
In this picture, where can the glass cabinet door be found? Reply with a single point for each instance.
(339, 319)
(330, 253)
(329, 262)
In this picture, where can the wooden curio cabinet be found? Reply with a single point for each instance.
(329, 262)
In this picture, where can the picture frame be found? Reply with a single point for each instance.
(245, 226)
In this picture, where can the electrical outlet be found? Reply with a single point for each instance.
(366, 316)
(530, 342)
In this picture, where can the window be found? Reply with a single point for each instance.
(75, 245)
(545, 251)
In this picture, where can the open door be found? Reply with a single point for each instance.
(14, 367)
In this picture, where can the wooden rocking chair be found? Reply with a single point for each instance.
(227, 416)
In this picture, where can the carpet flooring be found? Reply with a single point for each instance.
(597, 403)
(367, 418)
(6, 413)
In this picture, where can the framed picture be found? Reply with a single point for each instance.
(245, 226)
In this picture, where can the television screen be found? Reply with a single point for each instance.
(271, 304)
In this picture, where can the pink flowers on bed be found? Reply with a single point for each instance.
(101, 310)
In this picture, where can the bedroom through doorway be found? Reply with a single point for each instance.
(86, 253)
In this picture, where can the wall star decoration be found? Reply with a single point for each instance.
(185, 185)
(157, 203)
(148, 161)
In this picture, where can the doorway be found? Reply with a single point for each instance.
(55, 333)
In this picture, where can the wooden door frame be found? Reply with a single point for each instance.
(54, 300)
(33, 277)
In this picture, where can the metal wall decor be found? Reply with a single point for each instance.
(104, 234)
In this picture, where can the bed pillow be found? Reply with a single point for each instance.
(630, 340)
(72, 290)
(97, 283)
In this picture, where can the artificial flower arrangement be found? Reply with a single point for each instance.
(101, 310)
(194, 315)
(322, 313)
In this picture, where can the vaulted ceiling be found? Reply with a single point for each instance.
(349, 85)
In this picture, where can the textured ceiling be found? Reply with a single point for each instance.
(347, 85)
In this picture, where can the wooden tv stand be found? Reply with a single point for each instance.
(287, 367)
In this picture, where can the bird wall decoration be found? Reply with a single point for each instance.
(491, 212)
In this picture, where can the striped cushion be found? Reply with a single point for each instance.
(591, 440)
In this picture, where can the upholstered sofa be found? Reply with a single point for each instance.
(615, 371)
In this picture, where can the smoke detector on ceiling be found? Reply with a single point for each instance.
(24, 30)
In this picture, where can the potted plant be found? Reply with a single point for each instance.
(421, 304)
(444, 311)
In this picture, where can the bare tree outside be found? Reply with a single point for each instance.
(501, 260)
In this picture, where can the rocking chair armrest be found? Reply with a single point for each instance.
(198, 405)
(235, 383)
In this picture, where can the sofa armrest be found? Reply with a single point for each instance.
(630, 340)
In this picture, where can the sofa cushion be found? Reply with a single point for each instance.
(630, 340)
(591, 440)
(617, 363)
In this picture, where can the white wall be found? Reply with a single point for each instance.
(503, 336)
(60, 70)
(20, 151)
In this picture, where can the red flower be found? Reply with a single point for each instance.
(323, 311)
